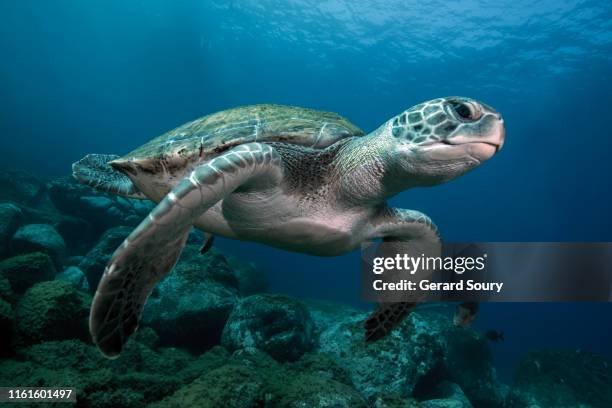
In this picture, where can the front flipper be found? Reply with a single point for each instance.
(153, 248)
(403, 231)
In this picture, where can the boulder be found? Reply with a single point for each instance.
(279, 325)
(393, 365)
(448, 395)
(20, 187)
(96, 259)
(10, 217)
(7, 327)
(311, 390)
(251, 280)
(469, 364)
(242, 381)
(231, 386)
(6, 292)
(77, 232)
(75, 276)
(547, 378)
(23, 271)
(425, 350)
(39, 238)
(190, 306)
(102, 210)
(52, 310)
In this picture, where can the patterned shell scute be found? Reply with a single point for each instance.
(213, 134)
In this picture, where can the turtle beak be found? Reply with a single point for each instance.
(122, 165)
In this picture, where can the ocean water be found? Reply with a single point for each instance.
(82, 77)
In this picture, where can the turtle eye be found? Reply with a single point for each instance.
(466, 111)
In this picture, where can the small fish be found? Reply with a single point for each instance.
(465, 314)
(495, 336)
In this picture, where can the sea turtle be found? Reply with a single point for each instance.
(289, 177)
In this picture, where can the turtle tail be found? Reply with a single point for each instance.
(95, 171)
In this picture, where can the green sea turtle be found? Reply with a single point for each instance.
(289, 177)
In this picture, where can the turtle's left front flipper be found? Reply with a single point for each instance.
(153, 248)
(402, 231)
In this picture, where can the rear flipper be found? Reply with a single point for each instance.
(95, 171)
(384, 319)
(208, 242)
(403, 232)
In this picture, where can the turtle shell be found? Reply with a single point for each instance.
(211, 135)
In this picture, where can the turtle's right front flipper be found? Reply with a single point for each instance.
(153, 248)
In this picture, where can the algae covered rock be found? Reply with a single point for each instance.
(448, 395)
(251, 280)
(311, 390)
(547, 379)
(52, 310)
(102, 210)
(10, 217)
(190, 306)
(6, 292)
(39, 238)
(7, 327)
(392, 365)
(96, 259)
(469, 364)
(279, 325)
(323, 366)
(23, 271)
(75, 276)
(20, 187)
(231, 386)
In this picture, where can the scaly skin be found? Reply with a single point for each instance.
(311, 195)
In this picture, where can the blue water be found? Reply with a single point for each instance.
(105, 76)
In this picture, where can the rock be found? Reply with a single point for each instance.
(277, 324)
(39, 238)
(393, 365)
(549, 379)
(310, 390)
(103, 210)
(10, 217)
(7, 327)
(23, 271)
(96, 259)
(58, 354)
(323, 366)
(6, 292)
(449, 395)
(20, 187)
(206, 362)
(118, 398)
(231, 386)
(77, 232)
(52, 310)
(75, 276)
(469, 364)
(141, 375)
(395, 401)
(191, 305)
(251, 280)
(74, 260)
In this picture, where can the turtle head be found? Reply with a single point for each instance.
(440, 140)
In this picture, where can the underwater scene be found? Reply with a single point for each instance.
(185, 188)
